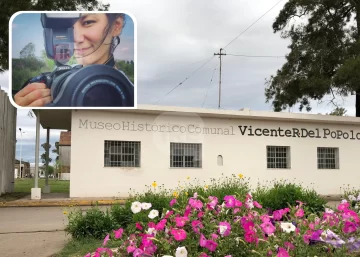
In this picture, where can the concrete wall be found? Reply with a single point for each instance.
(7, 143)
(64, 155)
(241, 152)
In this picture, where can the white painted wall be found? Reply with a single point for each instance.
(241, 153)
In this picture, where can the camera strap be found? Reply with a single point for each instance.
(110, 62)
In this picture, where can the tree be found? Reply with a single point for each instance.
(338, 111)
(56, 151)
(324, 59)
(28, 51)
(43, 155)
(8, 8)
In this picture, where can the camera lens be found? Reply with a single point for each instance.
(102, 95)
(93, 86)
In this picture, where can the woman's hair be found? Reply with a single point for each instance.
(112, 17)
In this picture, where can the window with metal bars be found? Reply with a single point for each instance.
(328, 158)
(278, 157)
(185, 155)
(122, 154)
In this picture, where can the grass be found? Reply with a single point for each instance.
(23, 188)
(79, 248)
(24, 185)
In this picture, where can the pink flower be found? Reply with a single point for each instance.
(282, 253)
(289, 245)
(211, 245)
(300, 203)
(236, 210)
(257, 205)
(343, 206)
(181, 221)
(229, 201)
(248, 226)
(196, 225)
(196, 204)
(268, 228)
(203, 255)
(88, 255)
(150, 249)
(172, 202)
(187, 211)
(118, 233)
(179, 234)
(107, 238)
(138, 226)
(203, 240)
(278, 214)
(168, 214)
(299, 213)
(102, 250)
(214, 236)
(224, 228)
(200, 214)
(349, 227)
(250, 237)
(138, 252)
(213, 202)
(238, 203)
(161, 225)
(131, 248)
(265, 218)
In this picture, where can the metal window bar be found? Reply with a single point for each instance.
(122, 154)
(278, 157)
(328, 158)
(185, 155)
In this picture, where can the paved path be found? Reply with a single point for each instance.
(32, 231)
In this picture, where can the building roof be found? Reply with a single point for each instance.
(65, 138)
(61, 118)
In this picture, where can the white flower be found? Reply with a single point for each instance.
(344, 201)
(356, 207)
(222, 229)
(181, 252)
(145, 206)
(151, 231)
(136, 207)
(352, 198)
(153, 214)
(287, 227)
(167, 256)
(327, 210)
(358, 198)
(195, 195)
(249, 204)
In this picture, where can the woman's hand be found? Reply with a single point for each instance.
(35, 94)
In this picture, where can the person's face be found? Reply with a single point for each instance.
(89, 31)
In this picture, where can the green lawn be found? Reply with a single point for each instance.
(79, 248)
(24, 185)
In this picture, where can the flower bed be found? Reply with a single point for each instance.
(235, 226)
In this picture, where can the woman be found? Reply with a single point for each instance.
(95, 38)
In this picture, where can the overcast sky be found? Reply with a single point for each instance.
(174, 38)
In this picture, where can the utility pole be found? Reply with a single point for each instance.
(220, 54)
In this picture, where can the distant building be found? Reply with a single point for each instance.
(24, 172)
(65, 155)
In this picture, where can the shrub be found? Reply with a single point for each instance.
(94, 223)
(121, 215)
(238, 227)
(282, 194)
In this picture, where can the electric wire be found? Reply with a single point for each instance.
(258, 56)
(185, 79)
(209, 86)
(253, 23)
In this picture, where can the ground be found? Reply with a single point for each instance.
(23, 188)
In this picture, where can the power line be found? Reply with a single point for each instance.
(253, 23)
(209, 85)
(258, 56)
(186, 78)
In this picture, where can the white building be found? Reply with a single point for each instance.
(115, 150)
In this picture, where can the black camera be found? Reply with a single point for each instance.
(96, 85)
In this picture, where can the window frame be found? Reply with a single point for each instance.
(325, 165)
(276, 163)
(182, 146)
(122, 156)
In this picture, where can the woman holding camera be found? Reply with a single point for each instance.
(95, 37)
